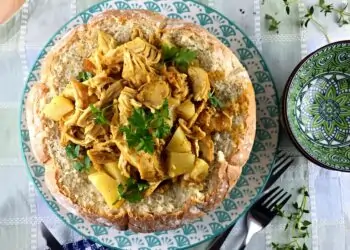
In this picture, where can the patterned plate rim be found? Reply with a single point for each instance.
(286, 118)
(264, 179)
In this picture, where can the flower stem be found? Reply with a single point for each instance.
(294, 1)
(342, 12)
(321, 28)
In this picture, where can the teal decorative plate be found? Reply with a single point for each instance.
(254, 173)
(317, 106)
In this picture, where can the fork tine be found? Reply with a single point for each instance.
(271, 198)
(280, 153)
(267, 195)
(281, 159)
(282, 203)
(278, 170)
(281, 167)
(272, 202)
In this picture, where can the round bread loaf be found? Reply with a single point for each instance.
(166, 208)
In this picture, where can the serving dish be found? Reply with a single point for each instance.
(254, 173)
(316, 106)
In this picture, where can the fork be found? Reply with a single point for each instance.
(263, 211)
(281, 164)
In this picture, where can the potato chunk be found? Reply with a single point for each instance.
(200, 170)
(113, 170)
(180, 163)
(179, 143)
(107, 186)
(58, 107)
(186, 110)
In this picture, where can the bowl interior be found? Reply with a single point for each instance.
(317, 106)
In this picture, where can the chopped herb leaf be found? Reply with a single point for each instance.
(99, 115)
(168, 52)
(132, 191)
(87, 162)
(82, 165)
(181, 57)
(143, 125)
(72, 151)
(79, 166)
(137, 133)
(83, 76)
(159, 124)
(214, 101)
(273, 23)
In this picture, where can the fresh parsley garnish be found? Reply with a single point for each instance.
(159, 122)
(79, 166)
(273, 23)
(72, 153)
(84, 76)
(143, 126)
(295, 222)
(137, 131)
(132, 191)
(99, 115)
(214, 101)
(181, 57)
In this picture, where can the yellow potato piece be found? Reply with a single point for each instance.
(200, 170)
(58, 107)
(180, 163)
(186, 110)
(107, 186)
(113, 170)
(179, 143)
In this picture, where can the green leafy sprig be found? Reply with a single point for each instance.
(214, 101)
(273, 23)
(99, 115)
(143, 126)
(295, 222)
(322, 6)
(84, 76)
(343, 15)
(132, 191)
(181, 57)
(287, 4)
(309, 16)
(73, 154)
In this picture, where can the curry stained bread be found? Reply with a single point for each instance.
(142, 122)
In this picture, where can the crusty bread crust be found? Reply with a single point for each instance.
(226, 171)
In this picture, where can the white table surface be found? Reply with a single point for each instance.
(21, 209)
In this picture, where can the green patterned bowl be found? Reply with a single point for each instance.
(316, 106)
